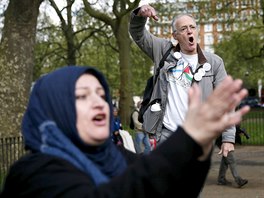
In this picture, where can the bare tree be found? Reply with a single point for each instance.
(118, 22)
(16, 62)
(73, 43)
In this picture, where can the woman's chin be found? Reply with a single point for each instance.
(100, 140)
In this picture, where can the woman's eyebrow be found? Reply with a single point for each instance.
(87, 88)
(83, 87)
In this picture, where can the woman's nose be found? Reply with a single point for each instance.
(98, 101)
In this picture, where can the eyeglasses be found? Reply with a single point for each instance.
(185, 28)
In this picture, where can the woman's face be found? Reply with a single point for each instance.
(93, 111)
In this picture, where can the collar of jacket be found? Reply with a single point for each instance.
(201, 57)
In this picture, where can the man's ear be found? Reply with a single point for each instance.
(174, 34)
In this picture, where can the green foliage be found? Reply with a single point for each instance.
(243, 53)
(141, 66)
(50, 50)
(98, 49)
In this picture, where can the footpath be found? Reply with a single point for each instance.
(250, 165)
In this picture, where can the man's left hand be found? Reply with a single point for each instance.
(226, 147)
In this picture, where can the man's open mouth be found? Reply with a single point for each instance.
(191, 39)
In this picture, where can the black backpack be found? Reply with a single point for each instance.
(132, 125)
(149, 88)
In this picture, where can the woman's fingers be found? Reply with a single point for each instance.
(205, 121)
(194, 96)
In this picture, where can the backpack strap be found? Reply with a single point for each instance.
(164, 57)
(161, 63)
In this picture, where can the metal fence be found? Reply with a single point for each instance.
(12, 148)
(253, 124)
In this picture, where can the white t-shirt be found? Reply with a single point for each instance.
(180, 79)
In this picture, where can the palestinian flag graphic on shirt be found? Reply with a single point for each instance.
(188, 73)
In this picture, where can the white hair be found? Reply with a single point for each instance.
(173, 23)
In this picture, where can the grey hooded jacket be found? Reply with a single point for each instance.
(155, 48)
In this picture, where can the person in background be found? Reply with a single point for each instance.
(153, 141)
(229, 161)
(186, 64)
(67, 127)
(117, 138)
(226, 162)
(142, 142)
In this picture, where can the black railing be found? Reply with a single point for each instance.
(11, 149)
(253, 124)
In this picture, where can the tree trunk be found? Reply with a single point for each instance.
(67, 29)
(124, 45)
(16, 62)
(119, 24)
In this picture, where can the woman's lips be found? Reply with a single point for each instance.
(99, 119)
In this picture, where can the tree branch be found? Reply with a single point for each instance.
(97, 14)
(124, 10)
(58, 11)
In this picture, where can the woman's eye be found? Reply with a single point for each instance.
(80, 97)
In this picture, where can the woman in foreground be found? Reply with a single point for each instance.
(67, 127)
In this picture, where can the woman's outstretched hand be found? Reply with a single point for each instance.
(206, 121)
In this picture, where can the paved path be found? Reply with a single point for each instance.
(250, 165)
